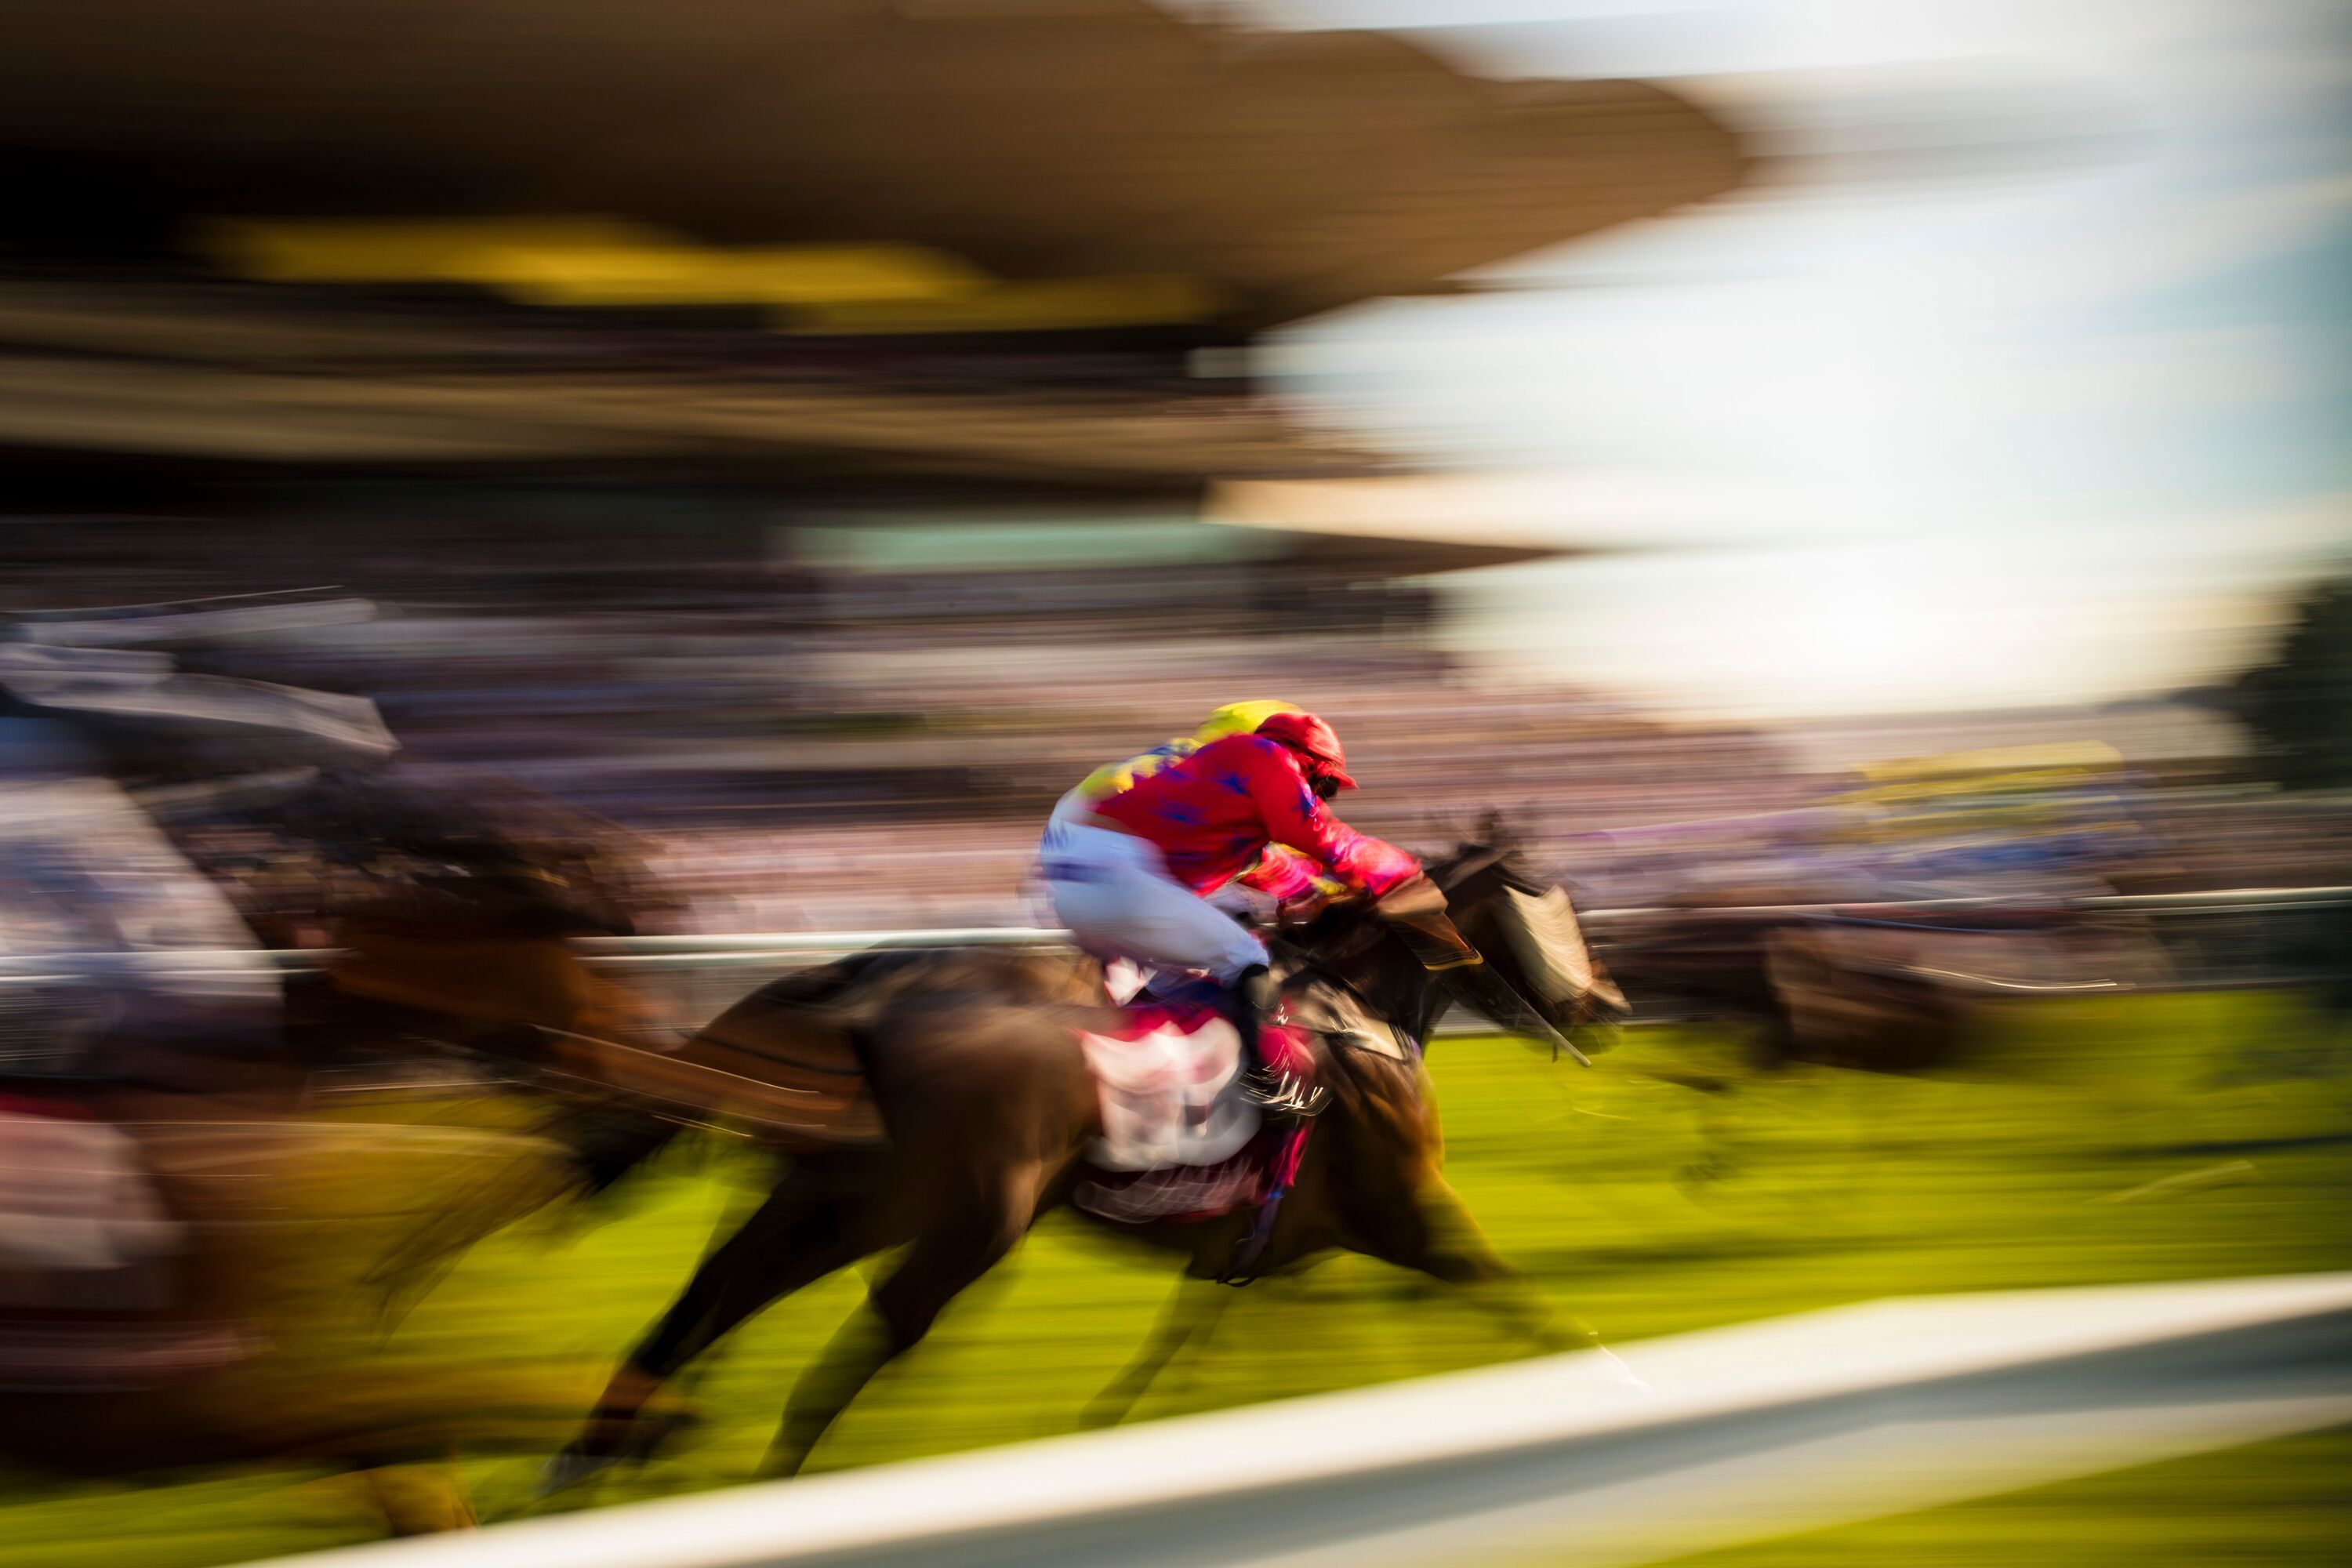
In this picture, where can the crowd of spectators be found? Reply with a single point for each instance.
(785, 758)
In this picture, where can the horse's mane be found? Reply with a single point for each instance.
(511, 857)
(1350, 946)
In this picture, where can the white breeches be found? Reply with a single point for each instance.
(1114, 891)
(90, 885)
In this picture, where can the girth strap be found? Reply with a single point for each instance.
(1243, 1267)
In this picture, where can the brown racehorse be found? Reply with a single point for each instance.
(173, 1272)
(178, 1239)
(975, 1068)
(180, 1231)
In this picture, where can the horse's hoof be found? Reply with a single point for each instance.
(568, 1469)
(784, 1459)
(1616, 1370)
(1102, 1414)
(591, 1456)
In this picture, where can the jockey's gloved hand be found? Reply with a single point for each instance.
(1437, 944)
(1302, 911)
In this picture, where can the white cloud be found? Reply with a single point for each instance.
(1938, 406)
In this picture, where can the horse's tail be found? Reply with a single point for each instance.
(790, 1060)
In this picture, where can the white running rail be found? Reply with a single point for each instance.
(1742, 1434)
(721, 950)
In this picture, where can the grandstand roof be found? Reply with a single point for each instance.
(1248, 177)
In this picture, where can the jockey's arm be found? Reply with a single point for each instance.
(1284, 886)
(1283, 874)
(1297, 820)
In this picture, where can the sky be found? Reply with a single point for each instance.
(2064, 421)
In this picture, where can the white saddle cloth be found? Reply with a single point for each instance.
(74, 1201)
(1169, 1092)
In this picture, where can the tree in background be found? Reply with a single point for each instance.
(2299, 705)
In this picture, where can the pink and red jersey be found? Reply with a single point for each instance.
(1211, 815)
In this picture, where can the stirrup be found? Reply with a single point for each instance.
(1285, 1094)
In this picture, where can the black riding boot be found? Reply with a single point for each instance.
(1257, 998)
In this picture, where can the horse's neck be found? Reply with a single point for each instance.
(1418, 1005)
(1381, 1095)
(1403, 999)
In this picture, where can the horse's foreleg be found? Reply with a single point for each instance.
(1458, 1252)
(1435, 1235)
(607, 1146)
(955, 1248)
(602, 1149)
(1186, 1322)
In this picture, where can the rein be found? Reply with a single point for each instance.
(1439, 949)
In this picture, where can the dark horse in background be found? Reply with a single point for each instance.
(188, 1223)
(974, 1068)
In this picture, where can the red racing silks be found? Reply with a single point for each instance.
(1213, 813)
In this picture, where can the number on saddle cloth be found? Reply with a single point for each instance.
(1167, 1083)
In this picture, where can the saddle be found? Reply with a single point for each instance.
(1324, 1010)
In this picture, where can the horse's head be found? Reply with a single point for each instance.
(1525, 931)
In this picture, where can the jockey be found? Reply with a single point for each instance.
(141, 949)
(1130, 873)
(1256, 893)
(1232, 719)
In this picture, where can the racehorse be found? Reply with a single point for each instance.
(173, 1274)
(974, 1064)
(177, 1224)
(463, 946)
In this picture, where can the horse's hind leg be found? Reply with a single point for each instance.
(410, 1272)
(956, 1246)
(792, 1239)
(789, 1241)
(1188, 1320)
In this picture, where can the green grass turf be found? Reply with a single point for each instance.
(2113, 1140)
(2282, 1504)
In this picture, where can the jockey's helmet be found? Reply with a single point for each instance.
(1315, 742)
(1241, 719)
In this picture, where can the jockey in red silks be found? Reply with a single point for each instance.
(1232, 719)
(1128, 874)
